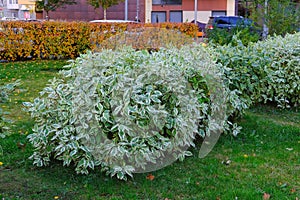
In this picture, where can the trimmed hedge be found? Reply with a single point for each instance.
(56, 40)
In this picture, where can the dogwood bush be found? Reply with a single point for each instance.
(129, 111)
(266, 71)
(281, 67)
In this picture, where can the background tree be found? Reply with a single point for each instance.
(52, 5)
(282, 16)
(105, 4)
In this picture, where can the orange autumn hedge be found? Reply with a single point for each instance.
(55, 40)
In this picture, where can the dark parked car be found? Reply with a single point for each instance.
(201, 26)
(229, 22)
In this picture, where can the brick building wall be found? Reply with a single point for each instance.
(84, 12)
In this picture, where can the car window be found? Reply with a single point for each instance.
(222, 20)
(211, 20)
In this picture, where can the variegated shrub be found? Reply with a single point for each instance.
(266, 71)
(128, 111)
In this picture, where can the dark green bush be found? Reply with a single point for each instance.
(225, 36)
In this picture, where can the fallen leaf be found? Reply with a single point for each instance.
(293, 190)
(266, 196)
(150, 177)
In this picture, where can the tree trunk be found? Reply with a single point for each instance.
(104, 12)
(47, 15)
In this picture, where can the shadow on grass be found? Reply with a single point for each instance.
(263, 158)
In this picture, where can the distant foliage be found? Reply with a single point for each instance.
(104, 4)
(282, 15)
(52, 5)
(128, 110)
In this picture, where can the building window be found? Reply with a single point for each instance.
(158, 17)
(166, 2)
(218, 13)
(13, 1)
(175, 16)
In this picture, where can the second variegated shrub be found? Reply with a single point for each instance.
(266, 71)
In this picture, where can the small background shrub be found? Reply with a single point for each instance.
(225, 36)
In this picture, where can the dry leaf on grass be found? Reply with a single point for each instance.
(266, 196)
(293, 190)
(150, 177)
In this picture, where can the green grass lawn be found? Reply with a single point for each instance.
(264, 158)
